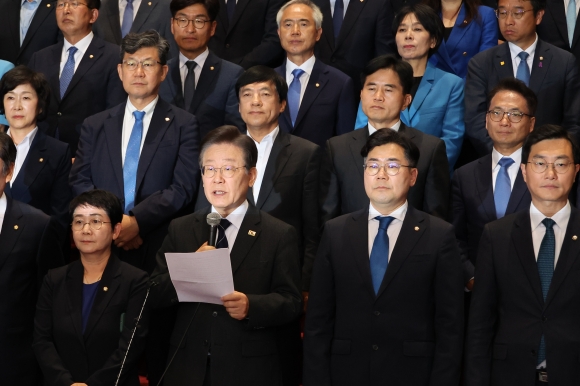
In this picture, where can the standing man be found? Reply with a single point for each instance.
(386, 301)
(320, 98)
(81, 71)
(523, 322)
(560, 25)
(198, 81)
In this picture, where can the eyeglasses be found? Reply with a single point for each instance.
(73, 4)
(540, 166)
(147, 64)
(94, 223)
(513, 116)
(391, 168)
(517, 14)
(197, 23)
(228, 171)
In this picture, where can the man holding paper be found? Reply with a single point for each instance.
(232, 343)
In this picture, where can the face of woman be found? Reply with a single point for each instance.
(413, 41)
(20, 106)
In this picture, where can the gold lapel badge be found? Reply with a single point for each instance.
(166, 119)
(15, 227)
(211, 68)
(317, 84)
(574, 237)
(105, 289)
(41, 160)
(501, 63)
(252, 233)
(416, 228)
(91, 56)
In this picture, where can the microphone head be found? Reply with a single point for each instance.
(213, 219)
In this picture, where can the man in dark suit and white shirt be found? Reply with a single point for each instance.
(493, 186)
(523, 323)
(386, 300)
(560, 26)
(320, 98)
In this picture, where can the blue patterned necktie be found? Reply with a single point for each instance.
(132, 160)
(546, 257)
(571, 20)
(294, 94)
(127, 22)
(380, 252)
(523, 72)
(503, 187)
(68, 71)
(337, 17)
(223, 241)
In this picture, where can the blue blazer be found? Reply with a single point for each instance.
(5, 66)
(464, 42)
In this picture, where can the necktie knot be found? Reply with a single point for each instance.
(138, 115)
(224, 223)
(523, 55)
(190, 65)
(130, 1)
(72, 50)
(384, 222)
(506, 162)
(548, 223)
(297, 72)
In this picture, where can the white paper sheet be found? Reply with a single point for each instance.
(202, 276)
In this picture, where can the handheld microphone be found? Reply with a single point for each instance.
(213, 220)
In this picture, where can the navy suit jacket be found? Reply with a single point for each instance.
(215, 102)
(553, 28)
(327, 108)
(554, 79)
(474, 206)
(43, 31)
(94, 87)
(167, 175)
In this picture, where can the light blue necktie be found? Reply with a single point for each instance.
(523, 72)
(571, 20)
(68, 71)
(132, 160)
(503, 187)
(380, 253)
(127, 18)
(337, 17)
(546, 257)
(294, 94)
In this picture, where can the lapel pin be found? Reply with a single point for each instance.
(362, 1)
(317, 84)
(541, 58)
(416, 228)
(41, 160)
(105, 289)
(540, 65)
(464, 53)
(252, 233)
(15, 227)
(166, 119)
(211, 68)
(149, 3)
(501, 63)
(464, 21)
(47, 5)
(574, 237)
(91, 56)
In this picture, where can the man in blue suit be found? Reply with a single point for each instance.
(320, 98)
(198, 81)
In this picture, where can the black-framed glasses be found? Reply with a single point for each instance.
(540, 166)
(72, 4)
(227, 171)
(94, 223)
(391, 168)
(184, 22)
(513, 116)
(516, 14)
(147, 64)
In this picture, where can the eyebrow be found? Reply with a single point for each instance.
(561, 156)
(195, 16)
(223, 159)
(91, 214)
(295, 19)
(391, 159)
(384, 85)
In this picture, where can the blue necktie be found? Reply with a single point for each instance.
(127, 18)
(223, 241)
(380, 252)
(132, 160)
(231, 7)
(571, 20)
(294, 94)
(68, 71)
(523, 72)
(546, 257)
(337, 17)
(503, 187)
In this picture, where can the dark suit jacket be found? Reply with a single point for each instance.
(508, 314)
(167, 175)
(64, 353)
(43, 180)
(553, 28)
(554, 79)
(29, 248)
(152, 14)
(94, 87)
(215, 102)
(43, 31)
(342, 180)
(251, 38)
(410, 333)
(474, 206)
(265, 267)
(327, 108)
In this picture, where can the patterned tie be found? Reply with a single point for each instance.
(523, 72)
(231, 7)
(380, 252)
(127, 22)
(223, 241)
(68, 71)
(571, 20)
(189, 86)
(546, 257)
(503, 187)
(337, 17)
(132, 160)
(294, 94)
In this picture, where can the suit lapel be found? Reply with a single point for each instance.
(358, 229)
(422, 92)
(12, 227)
(145, 9)
(518, 192)
(503, 62)
(241, 4)
(91, 56)
(559, 14)
(74, 293)
(32, 166)
(315, 85)
(244, 240)
(285, 116)
(113, 128)
(576, 35)
(175, 83)
(53, 69)
(484, 186)
(44, 10)
(327, 22)
(458, 32)
(223, 21)
(350, 17)
(281, 152)
(359, 139)
(12, 8)
(209, 75)
(113, 18)
(540, 67)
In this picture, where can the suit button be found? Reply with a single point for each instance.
(59, 113)
(375, 347)
(228, 45)
(214, 314)
(377, 313)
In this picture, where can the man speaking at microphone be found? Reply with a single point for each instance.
(234, 343)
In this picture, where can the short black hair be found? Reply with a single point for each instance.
(101, 199)
(211, 6)
(391, 62)
(93, 4)
(548, 132)
(517, 86)
(258, 74)
(428, 19)
(537, 5)
(7, 153)
(228, 134)
(133, 42)
(23, 75)
(385, 136)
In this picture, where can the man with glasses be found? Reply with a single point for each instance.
(524, 322)
(198, 81)
(386, 299)
(493, 186)
(550, 72)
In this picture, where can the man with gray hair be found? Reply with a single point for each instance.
(320, 98)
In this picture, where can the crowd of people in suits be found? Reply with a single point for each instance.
(395, 183)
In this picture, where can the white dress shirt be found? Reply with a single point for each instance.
(236, 218)
(515, 50)
(183, 70)
(123, 5)
(3, 204)
(27, 11)
(22, 150)
(566, 2)
(82, 47)
(512, 170)
(307, 67)
(392, 231)
(129, 121)
(395, 127)
(332, 2)
(264, 150)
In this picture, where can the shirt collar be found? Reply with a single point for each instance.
(559, 218)
(29, 137)
(3, 204)
(237, 216)
(395, 127)
(30, 2)
(199, 59)
(496, 156)
(82, 45)
(398, 213)
(515, 50)
(307, 66)
(147, 109)
(270, 137)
